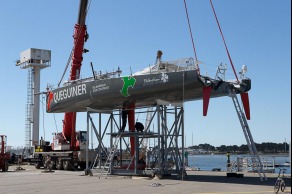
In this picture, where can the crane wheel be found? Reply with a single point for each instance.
(59, 165)
(5, 167)
(67, 165)
(37, 165)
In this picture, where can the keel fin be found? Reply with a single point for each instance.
(245, 101)
(206, 99)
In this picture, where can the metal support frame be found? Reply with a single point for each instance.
(172, 138)
(101, 149)
(164, 158)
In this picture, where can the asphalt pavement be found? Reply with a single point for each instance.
(26, 179)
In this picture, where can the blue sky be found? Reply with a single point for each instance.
(128, 34)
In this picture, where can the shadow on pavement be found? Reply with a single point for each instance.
(233, 180)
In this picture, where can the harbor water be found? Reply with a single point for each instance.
(211, 162)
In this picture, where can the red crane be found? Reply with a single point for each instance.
(68, 148)
(80, 37)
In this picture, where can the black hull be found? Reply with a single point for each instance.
(143, 90)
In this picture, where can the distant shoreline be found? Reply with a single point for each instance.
(234, 154)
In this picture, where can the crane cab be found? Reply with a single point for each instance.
(81, 139)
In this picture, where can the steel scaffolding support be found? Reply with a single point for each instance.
(163, 158)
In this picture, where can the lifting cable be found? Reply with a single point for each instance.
(224, 41)
(72, 51)
(190, 30)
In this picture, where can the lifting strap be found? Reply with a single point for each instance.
(224, 41)
(190, 30)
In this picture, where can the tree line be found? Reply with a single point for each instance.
(266, 147)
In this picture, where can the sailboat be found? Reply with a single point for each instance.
(174, 81)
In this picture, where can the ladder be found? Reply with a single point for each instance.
(108, 164)
(256, 161)
(29, 109)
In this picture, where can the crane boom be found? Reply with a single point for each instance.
(80, 37)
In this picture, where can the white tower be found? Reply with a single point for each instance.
(34, 60)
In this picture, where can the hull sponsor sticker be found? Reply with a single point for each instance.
(70, 93)
(163, 78)
(100, 87)
(50, 97)
(129, 81)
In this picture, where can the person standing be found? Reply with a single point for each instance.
(124, 119)
(186, 158)
(228, 161)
